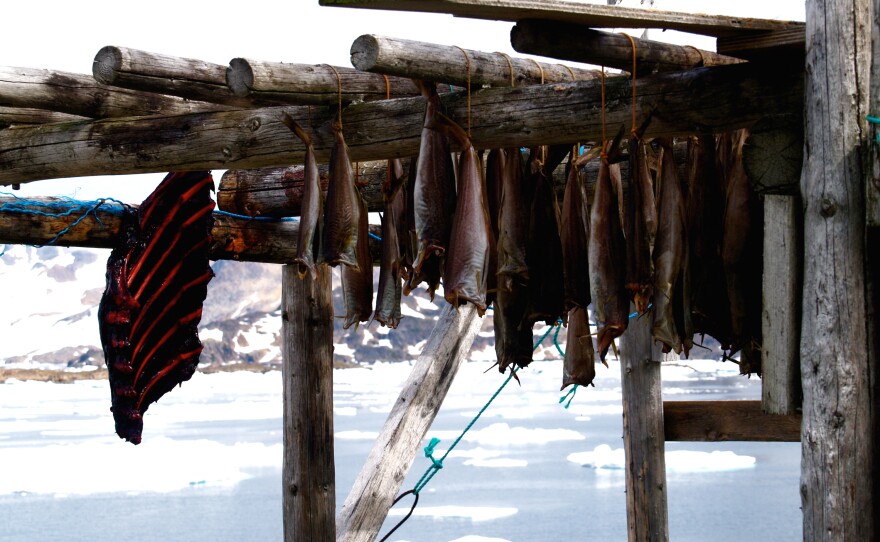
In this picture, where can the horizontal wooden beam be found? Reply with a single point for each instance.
(450, 64)
(579, 43)
(153, 72)
(705, 99)
(24, 115)
(712, 421)
(232, 238)
(306, 84)
(81, 95)
(594, 15)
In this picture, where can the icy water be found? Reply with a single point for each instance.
(529, 470)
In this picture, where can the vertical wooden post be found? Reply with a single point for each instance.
(780, 363)
(308, 474)
(643, 437)
(420, 398)
(837, 441)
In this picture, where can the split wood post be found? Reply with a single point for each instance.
(154, 72)
(873, 253)
(449, 64)
(731, 97)
(643, 435)
(308, 473)
(579, 43)
(393, 452)
(873, 182)
(782, 297)
(837, 467)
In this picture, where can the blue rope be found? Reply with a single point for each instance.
(261, 218)
(31, 207)
(874, 120)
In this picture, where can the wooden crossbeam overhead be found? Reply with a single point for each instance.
(712, 421)
(77, 94)
(153, 72)
(283, 83)
(26, 115)
(449, 64)
(232, 238)
(705, 99)
(580, 43)
(593, 15)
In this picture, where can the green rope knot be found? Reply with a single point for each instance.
(429, 453)
(874, 120)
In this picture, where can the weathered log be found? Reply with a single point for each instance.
(449, 64)
(10, 116)
(308, 476)
(716, 99)
(643, 442)
(282, 83)
(277, 192)
(774, 154)
(232, 238)
(593, 15)
(78, 94)
(394, 450)
(837, 468)
(153, 72)
(717, 421)
(780, 357)
(873, 173)
(579, 43)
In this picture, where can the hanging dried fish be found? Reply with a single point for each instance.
(433, 197)
(513, 222)
(312, 206)
(357, 281)
(513, 338)
(579, 366)
(544, 247)
(607, 258)
(575, 239)
(339, 232)
(706, 288)
(390, 287)
(638, 202)
(669, 251)
(495, 164)
(741, 252)
(467, 260)
(157, 280)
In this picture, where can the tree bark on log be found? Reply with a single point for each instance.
(77, 94)
(10, 116)
(450, 64)
(709, 99)
(394, 450)
(305, 84)
(239, 239)
(153, 72)
(308, 472)
(837, 467)
(579, 43)
(782, 298)
(643, 435)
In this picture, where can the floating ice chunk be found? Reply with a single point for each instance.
(678, 461)
(473, 513)
(476, 538)
(498, 462)
(357, 435)
(345, 411)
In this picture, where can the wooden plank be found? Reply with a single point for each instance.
(594, 15)
(393, 452)
(773, 46)
(580, 43)
(81, 95)
(308, 473)
(781, 322)
(231, 238)
(23, 115)
(175, 76)
(836, 461)
(717, 421)
(448, 64)
(643, 441)
(285, 83)
(715, 99)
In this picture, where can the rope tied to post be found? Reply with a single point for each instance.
(467, 60)
(33, 207)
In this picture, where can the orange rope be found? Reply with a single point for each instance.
(387, 87)
(540, 68)
(633, 42)
(699, 52)
(570, 71)
(339, 91)
(468, 60)
(510, 67)
(602, 115)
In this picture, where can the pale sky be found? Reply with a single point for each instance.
(62, 35)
